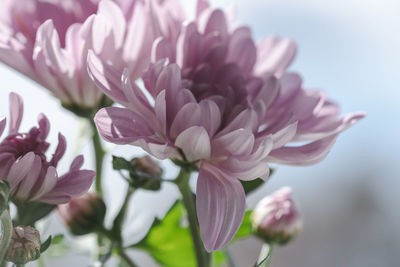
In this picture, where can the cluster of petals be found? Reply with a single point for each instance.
(24, 166)
(48, 40)
(216, 99)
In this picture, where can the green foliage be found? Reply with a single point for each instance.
(31, 212)
(120, 164)
(170, 243)
(45, 245)
(246, 228)
(57, 239)
(250, 186)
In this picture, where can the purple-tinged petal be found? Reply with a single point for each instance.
(136, 98)
(243, 52)
(77, 163)
(290, 86)
(25, 187)
(284, 136)
(237, 142)
(325, 126)
(107, 78)
(245, 170)
(201, 6)
(210, 117)
(275, 54)
(303, 155)
(160, 109)
(19, 170)
(195, 143)
(162, 49)
(213, 21)
(60, 150)
(187, 116)
(220, 203)
(189, 46)
(47, 183)
(3, 122)
(7, 160)
(115, 19)
(44, 126)
(73, 184)
(121, 125)
(16, 112)
(247, 119)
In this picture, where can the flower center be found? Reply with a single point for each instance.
(23, 143)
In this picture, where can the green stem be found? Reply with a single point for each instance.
(125, 257)
(187, 198)
(119, 219)
(99, 156)
(6, 225)
(264, 259)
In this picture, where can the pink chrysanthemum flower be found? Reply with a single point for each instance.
(227, 106)
(23, 163)
(49, 40)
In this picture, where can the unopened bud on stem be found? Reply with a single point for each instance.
(83, 215)
(24, 246)
(276, 219)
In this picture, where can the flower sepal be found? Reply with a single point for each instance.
(31, 212)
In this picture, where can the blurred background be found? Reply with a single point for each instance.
(349, 202)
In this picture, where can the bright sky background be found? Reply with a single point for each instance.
(350, 49)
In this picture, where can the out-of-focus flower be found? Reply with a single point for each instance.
(24, 246)
(226, 106)
(276, 218)
(23, 163)
(49, 40)
(84, 214)
(4, 195)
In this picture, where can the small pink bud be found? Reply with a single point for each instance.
(83, 215)
(147, 165)
(276, 218)
(24, 245)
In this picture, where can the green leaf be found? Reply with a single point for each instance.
(168, 242)
(45, 245)
(219, 258)
(250, 186)
(246, 228)
(30, 212)
(57, 239)
(121, 164)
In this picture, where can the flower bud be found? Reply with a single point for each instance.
(146, 173)
(4, 194)
(276, 218)
(83, 215)
(24, 245)
(146, 165)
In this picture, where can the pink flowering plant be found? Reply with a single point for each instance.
(199, 92)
